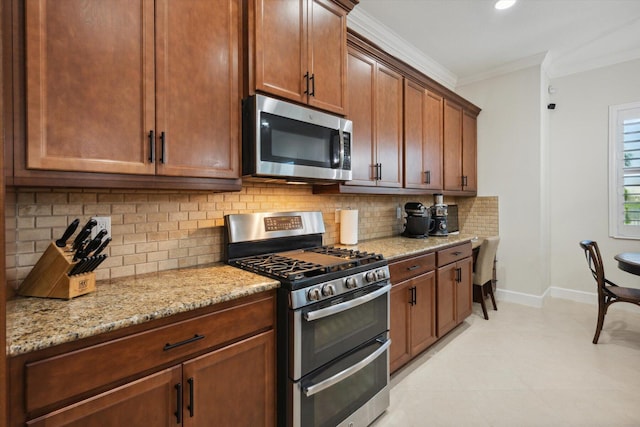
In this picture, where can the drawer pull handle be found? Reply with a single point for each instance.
(169, 346)
(456, 253)
(413, 267)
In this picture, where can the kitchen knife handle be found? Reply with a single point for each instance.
(152, 146)
(163, 154)
(62, 241)
(101, 248)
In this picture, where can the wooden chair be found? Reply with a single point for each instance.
(483, 274)
(608, 292)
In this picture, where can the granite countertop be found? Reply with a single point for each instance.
(37, 323)
(398, 247)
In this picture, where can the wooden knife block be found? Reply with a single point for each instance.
(49, 278)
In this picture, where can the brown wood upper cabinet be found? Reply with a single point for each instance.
(135, 87)
(375, 107)
(299, 51)
(459, 148)
(422, 137)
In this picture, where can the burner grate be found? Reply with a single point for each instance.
(292, 269)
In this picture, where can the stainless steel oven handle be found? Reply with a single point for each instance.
(311, 390)
(324, 312)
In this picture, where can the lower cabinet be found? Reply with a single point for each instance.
(214, 369)
(455, 291)
(412, 305)
(413, 326)
(430, 295)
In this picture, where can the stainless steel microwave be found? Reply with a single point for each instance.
(290, 142)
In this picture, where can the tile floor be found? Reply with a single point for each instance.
(525, 367)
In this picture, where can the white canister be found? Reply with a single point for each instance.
(349, 226)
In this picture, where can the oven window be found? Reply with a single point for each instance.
(286, 140)
(327, 338)
(334, 404)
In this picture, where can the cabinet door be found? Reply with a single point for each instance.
(469, 151)
(198, 98)
(464, 289)
(361, 88)
(399, 306)
(388, 140)
(422, 138)
(433, 140)
(280, 50)
(446, 298)
(414, 133)
(233, 386)
(452, 146)
(327, 55)
(148, 402)
(90, 85)
(423, 312)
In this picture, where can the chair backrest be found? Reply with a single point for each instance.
(484, 263)
(594, 260)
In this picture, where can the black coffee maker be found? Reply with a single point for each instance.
(418, 222)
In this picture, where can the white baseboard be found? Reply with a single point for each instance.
(555, 292)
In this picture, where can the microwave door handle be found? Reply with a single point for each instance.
(311, 390)
(343, 306)
(336, 148)
(341, 136)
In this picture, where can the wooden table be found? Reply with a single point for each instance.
(629, 262)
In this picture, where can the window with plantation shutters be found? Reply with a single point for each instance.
(624, 170)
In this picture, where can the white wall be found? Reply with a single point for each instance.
(509, 166)
(549, 169)
(579, 172)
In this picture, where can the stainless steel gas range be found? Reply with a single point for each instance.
(333, 318)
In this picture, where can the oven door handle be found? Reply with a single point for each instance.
(311, 390)
(334, 309)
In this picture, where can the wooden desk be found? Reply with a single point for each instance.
(629, 262)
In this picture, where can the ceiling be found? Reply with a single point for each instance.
(467, 40)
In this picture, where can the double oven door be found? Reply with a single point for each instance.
(338, 359)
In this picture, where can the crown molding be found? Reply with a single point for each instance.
(376, 32)
(539, 59)
(559, 68)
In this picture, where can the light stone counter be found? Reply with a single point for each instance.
(398, 247)
(37, 323)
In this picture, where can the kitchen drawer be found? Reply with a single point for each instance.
(411, 267)
(61, 377)
(456, 253)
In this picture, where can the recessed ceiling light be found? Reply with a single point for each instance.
(504, 4)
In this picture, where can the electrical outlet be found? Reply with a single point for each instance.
(398, 212)
(103, 223)
(337, 216)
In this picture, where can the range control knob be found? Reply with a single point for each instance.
(314, 294)
(442, 225)
(351, 282)
(381, 274)
(370, 277)
(328, 290)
